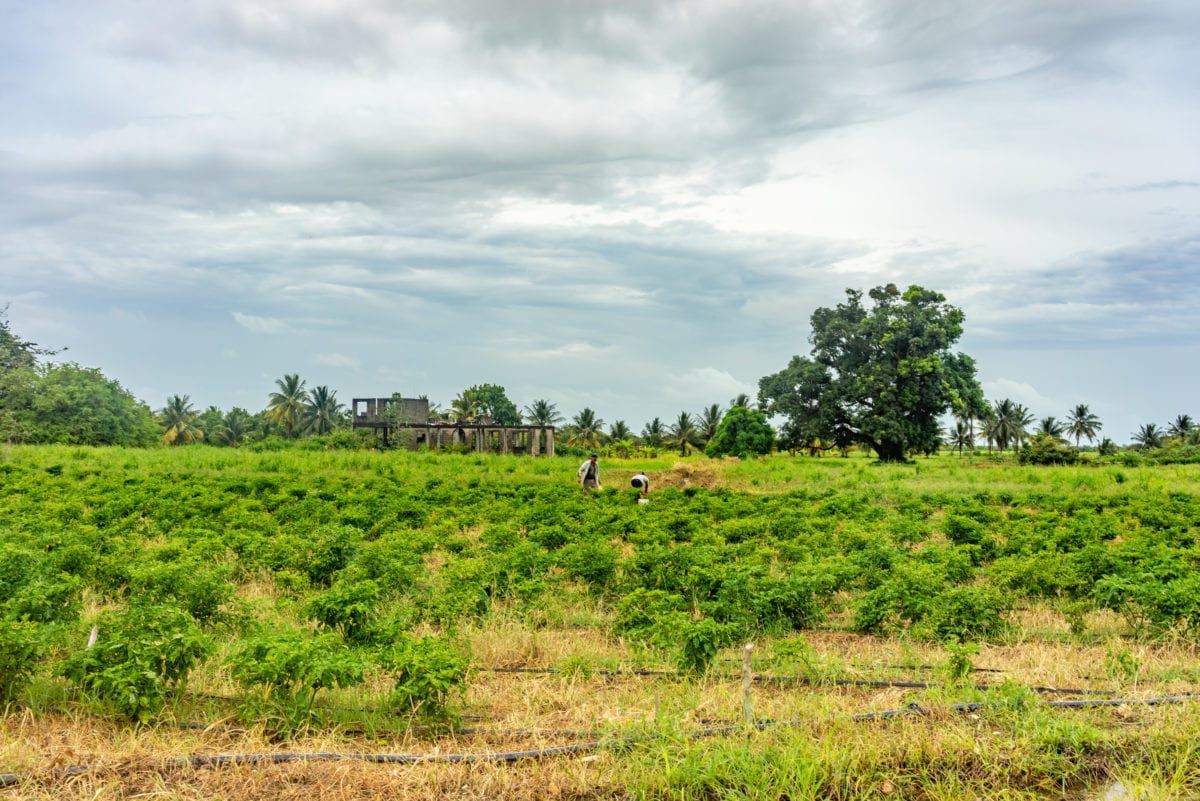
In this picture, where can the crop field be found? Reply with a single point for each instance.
(196, 622)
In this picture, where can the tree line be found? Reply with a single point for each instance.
(882, 378)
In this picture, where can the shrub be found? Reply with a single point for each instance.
(290, 668)
(346, 607)
(140, 653)
(702, 640)
(1043, 449)
(429, 673)
(966, 613)
(21, 650)
(651, 616)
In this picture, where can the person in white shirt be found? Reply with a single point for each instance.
(589, 474)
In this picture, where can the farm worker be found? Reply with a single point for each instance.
(641, 481)
(589, 474)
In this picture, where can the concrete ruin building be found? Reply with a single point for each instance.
(410, 416)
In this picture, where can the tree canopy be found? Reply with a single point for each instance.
(881, 376)
(741, 432)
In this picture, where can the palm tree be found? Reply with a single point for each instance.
(1050, 427)
(1149, 436)
(653, 433)
(1082, 423)
(543, 413)
(465, 408)
(1023, 419)
(960, 436)
(684, 433)
(287, 405)
(708, 420)
(1002, 427)
(1180, 427)
(741, 399)
(321, 411)
(619, 431)
(180, 420)
(234, 428)
(586, 429)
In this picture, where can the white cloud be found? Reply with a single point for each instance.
(701, 385)
(570, 350)
(999, 388)
(260, 325)
(336, 360)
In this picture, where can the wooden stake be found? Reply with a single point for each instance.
(747, 683)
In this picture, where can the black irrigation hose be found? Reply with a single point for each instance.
(220, 760)
(909, 685)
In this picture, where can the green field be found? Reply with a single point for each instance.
(352, 602)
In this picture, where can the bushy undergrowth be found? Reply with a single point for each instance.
(365, 548)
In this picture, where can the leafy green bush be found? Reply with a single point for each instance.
(202, 590)
(1043, 449)
(429, 673)
(22, 647)
(966, 613)
(651, 616)
(701, 641)
(141, 652)
(346, 607)
(289, 668)
(592, 562)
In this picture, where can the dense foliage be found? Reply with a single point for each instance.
(881, 377)
(371, 554)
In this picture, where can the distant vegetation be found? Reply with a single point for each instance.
(883, 380)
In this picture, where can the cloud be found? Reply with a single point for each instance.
(1018, 391)
(700, 385)
(336, 360)
(570, 350)
(260, 325)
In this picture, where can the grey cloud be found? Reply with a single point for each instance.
(1142, 293)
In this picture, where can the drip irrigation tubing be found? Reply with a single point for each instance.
(762, 679)
(221, 760)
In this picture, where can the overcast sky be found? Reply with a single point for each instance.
(631, 206)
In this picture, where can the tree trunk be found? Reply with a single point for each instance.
(890, 451)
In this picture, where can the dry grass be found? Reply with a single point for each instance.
(525, 711)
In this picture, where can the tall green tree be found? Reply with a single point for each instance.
(286, 405)
(81, 406)
(235, 428)
(543, 413)
(1004, 423)
(586, 430)
(707, 422)
(494, 403)
(1024, 421)
(619, 431)
(466, 407)
(683, 433)
(1180, 427)
(322, 411)
(961, 436)
(18, 381)
(210, 421)
(180, 422)
(1082, 423)
(741, 399)
(1149, 436)
(1052, 428)
(742, 432)
(880, 374)
(967, 402)
(654, 433)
